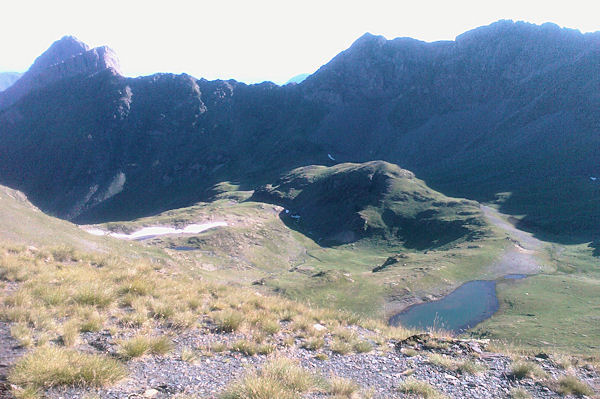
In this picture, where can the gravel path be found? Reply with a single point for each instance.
(9, 348)
(520, 255)
(9, 352)
(525, 240)
(380, 371)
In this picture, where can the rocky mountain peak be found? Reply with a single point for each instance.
(59, 51)
(65, 58)
(508, 32)
(368, 39)
(108, 58)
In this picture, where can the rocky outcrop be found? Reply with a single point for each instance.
(66, 58)
(390, 261)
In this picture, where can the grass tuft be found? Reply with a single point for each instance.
(137, 287)
(409, 352)
(53, 366)
(421, 389)
(291, 375)
(523, 369)
(343, 388)
(93, 296)
(250, 348)
(93, 322)
(144, 345)
(519, 393)
(70, 333)
(571, 385)
(229, 321)
(64, 254)
(442, 361)
(313, 343)
(245, 347)
(22, 334)
(189, 355)
(280, 378)
(340, 347)
(258, 387)
(218, 347)
(362, 346)
(25, 393)
(468, 366)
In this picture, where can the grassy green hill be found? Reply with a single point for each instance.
(348, 202)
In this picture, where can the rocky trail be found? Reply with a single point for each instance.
(520, 257)
(9, 348)
(379, 372)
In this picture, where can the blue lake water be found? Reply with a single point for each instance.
(468, 305)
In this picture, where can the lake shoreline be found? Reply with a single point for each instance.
(408, 312)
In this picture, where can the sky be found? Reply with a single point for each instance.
(253, 40)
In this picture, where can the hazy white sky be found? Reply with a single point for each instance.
(253, 40)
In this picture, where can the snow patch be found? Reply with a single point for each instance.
(147, 232)
(96, 232)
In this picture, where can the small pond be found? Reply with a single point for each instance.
(185, 248)
(515, 276)
(468, 305)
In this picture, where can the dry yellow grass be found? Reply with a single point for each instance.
(420, 389)
(523, 369)
(464, 366)
(343, 388)
(571, 385)
(144, 345)
(61, 293)
(50, 366)
(280, 378)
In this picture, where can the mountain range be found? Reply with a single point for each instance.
(506, 113)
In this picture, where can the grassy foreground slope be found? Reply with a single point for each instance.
(83, 317)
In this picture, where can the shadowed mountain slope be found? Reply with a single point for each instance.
(508, 109)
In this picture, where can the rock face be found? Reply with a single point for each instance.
(66, 58)
(390, 261)
(508, 108)
(59, 51)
